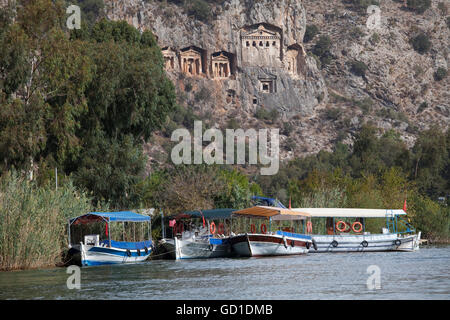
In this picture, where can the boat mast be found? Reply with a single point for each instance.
(69, 233)
(109, 233)
(163, 231)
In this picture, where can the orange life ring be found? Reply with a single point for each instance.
(263, 228)
(309, 227)
(338, 226)
(252, 228)
(356, 223)
(221, 228)
(212, 228)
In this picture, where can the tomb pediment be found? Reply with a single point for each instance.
(261, 32)
(220, 57)
(168, 51)
(190, 52)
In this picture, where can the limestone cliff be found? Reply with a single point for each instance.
(256, 37)
(249, 55)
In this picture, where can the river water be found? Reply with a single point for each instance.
(424, 274)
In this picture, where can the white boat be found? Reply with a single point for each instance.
(343, 236)
(92, 251)
(267, 242)
(191, 246)
(193, 241)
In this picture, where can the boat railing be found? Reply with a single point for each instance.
(127, 245)
(395, 222)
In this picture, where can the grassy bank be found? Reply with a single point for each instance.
(33, 221)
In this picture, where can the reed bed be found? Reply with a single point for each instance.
(33, 221)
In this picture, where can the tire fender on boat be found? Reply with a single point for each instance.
(308, 245)
(364, 243)
(285, 242)
(128, 252)
(146, 250)
(334, 243)
(211, 247)
(138, 252)
(314, 244)
(397, 242)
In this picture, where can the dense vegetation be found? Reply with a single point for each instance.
(85, 101)
(82, 102)
(33, 221)
(378, 172)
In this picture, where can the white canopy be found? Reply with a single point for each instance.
(350, 212)
(276, 213)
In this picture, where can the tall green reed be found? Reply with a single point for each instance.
(33, 221)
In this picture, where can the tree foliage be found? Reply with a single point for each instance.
(79, 99)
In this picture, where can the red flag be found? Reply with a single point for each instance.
(204, 224)
(404, 205)
(172, 223)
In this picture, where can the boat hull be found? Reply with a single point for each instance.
(365, 243)
(86, 255)
(254, 245)
(201, 249)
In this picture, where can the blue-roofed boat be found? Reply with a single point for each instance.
(199, 234)
(99, 248)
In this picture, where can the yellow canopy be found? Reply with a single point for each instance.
(275, 213)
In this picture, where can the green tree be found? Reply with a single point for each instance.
(419, 6)
(310, 32)
(69, 98)
(421, 43)
(44, 75)
(430, 160)
(322, 50)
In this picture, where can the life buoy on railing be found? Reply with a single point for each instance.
(338, 226)
(212, 228)
(360, 227)
(221, 228)
(309, 227)
(252, 228)
(263, 228)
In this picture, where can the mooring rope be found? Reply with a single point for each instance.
(161, 254)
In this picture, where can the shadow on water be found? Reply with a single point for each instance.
(403, 275)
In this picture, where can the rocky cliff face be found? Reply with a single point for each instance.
(250, 56)
(255, 39)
